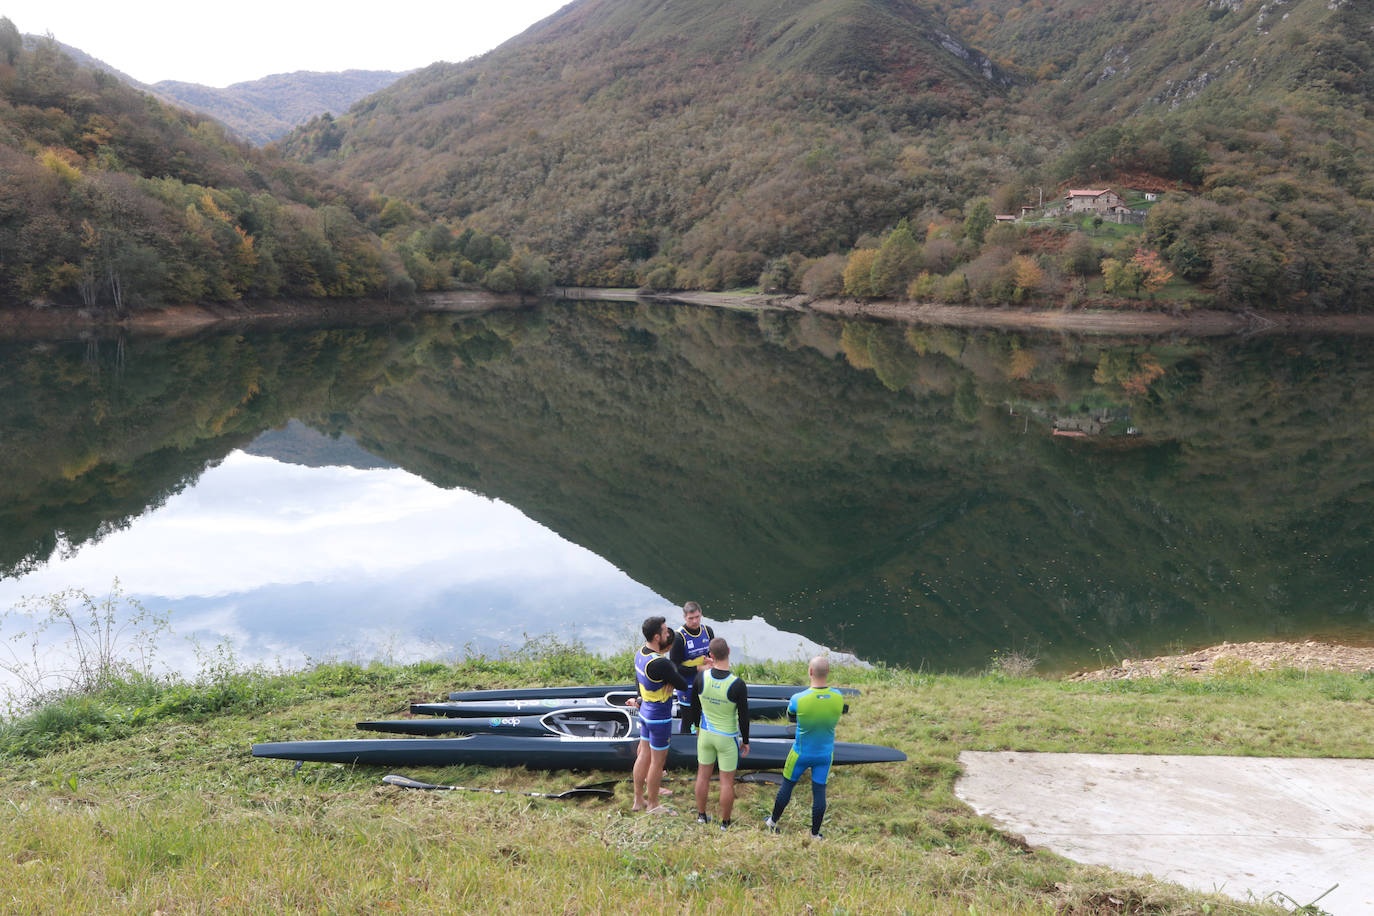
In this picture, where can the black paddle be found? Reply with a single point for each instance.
(592, 791)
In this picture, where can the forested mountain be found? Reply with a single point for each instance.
(1128, 56)
(701, 143)
(263, 110)
(712, 132)
(112, 199)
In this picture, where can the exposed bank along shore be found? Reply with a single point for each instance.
(21, 321)
(1230, 658)
(1096, 320)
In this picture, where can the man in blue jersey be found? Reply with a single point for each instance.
(816, 710)
(691, 643)
(721, 701)
(656, 677)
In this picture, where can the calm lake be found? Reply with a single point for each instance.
(915, 496)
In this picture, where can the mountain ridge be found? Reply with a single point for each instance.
(259, 110)
(268, 108)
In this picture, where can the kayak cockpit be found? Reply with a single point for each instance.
(590, 723)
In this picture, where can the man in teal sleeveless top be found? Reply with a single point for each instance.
(817, 710)
(721, 701)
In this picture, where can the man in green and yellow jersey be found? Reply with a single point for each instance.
(721, 701)
(817, 710)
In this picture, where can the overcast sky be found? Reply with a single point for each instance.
(219, 44)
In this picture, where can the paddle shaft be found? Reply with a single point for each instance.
(591, 791)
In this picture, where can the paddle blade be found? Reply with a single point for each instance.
(608, 784)
(405, 782)
(577, 794)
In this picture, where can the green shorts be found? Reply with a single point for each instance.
(715, 748)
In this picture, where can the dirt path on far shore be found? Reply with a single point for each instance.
(1199, 323)
(1096, 320)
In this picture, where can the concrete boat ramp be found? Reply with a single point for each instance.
(1247, 827)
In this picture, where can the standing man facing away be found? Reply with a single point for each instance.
(722, 701)
(816, 710)
(689, 652)
(656, 677)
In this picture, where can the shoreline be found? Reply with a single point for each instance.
(18, 322)
(1194, 322)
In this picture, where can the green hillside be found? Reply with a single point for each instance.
(709, 145)
(707, 133)
(1129, 56)
(111, 200)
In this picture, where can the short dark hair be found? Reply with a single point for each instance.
(652, 627)
(720, 648)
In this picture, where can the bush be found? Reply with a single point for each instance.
(824, 279)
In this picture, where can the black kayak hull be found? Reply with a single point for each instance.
(758, 708)
(546, 753)
(762, 691)
(525, 726)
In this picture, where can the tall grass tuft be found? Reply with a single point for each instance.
(72, 643)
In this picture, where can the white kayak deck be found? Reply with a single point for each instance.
(1247, 827)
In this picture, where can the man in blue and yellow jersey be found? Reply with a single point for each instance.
(816, 710)
(721, 700)
(690, 645)
(656, 676)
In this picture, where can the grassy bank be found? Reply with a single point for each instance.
(144, 798)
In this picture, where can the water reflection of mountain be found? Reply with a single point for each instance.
(91, 436)
(897, 492)
(894, 492)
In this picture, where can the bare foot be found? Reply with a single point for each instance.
(661, 809)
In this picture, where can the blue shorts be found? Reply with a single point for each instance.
(658, 732)
(819, 765)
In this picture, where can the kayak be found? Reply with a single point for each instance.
(585, 723)
(761, 708)
(546, 753)
(762, 691)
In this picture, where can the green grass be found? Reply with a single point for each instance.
(150, 801)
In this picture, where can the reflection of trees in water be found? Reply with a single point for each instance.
(818, 471)
(96, 432)
(894, 491)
